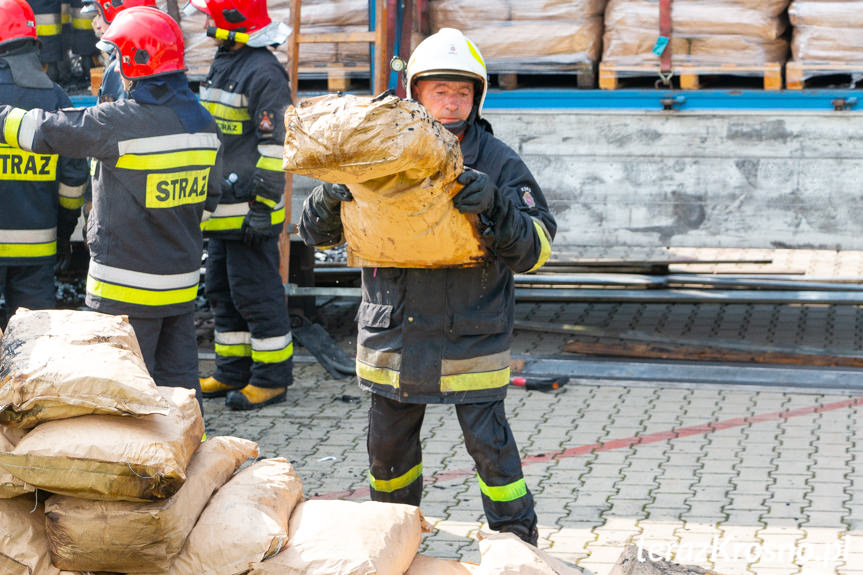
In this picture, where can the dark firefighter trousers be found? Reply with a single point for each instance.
(245, 290)
(30, 286)
(170, 349)
(395, 460)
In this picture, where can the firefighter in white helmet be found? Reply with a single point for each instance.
(443, 335)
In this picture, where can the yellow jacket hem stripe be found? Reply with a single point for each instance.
(271, 164)
(475, 381)
(11, 125)
(233, 350)
(544, 243)
(167, 160)
(503, 493)
(276, 356)
(49, 29)
(379, 375)
(390, 485)
(28, 250)
(140, 296)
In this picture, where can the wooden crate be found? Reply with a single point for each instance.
(610, 75)
(797, 73)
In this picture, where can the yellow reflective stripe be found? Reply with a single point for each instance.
(474, 52)
(71, 203)
(544, 245)
(475, 381)
(11, 125)
(271, 164)
(82, 24)
(266, 201)
(222, 224)
(49, 29)
(140, 296)
(275, 356)
(167, 160)
(379, 375)
(233, 350)
(224, 112)
(66, 17)
(28, 250)
(278, 216)
(390, 485)
(503, 493)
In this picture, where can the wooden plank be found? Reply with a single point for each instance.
(334, 37)
(686, 352)
(690, 75)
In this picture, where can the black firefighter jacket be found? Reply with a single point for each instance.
(151, 186)
(37, 191)
(247, 92)
(444, 335)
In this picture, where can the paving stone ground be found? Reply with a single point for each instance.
(739, 480)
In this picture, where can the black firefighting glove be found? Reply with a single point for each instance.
(478, 194)
(257, 225)
(331, 196)
(66, 222)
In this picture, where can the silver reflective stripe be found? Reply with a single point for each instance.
(169, 143)
(28, 236)
(271, 343)
(231, 210)
(27, 131)
(221, 96)
(270, 151)
(232, 337)
(142, 280)
(71, 191)
(48, 19)
(206, 215)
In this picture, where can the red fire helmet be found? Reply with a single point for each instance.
(149, 43)
(17, 21)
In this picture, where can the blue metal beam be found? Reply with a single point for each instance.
(641, 100)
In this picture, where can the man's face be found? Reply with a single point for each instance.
(449, 101)
(99, 25)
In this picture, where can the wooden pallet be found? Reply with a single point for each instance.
(584, 73)
(797, 73)
(610, 75)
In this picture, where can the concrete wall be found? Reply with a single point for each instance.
(692, 179)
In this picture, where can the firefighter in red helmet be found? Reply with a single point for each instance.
(41, 194)
(103, 13)
(247, 92)
(157, 177)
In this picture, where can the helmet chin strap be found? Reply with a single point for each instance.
(459, 128)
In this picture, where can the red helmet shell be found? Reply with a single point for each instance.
(149, 42)
(17, 21)
(236, 15)
(110, 8)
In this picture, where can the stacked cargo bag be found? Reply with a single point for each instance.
(827, 37)
(524, 36)
(11, 486)
(316, 17)
(128, 537)
(730, 34)
(244, 522)
(23, 543)
(348, 538)
(57, 364)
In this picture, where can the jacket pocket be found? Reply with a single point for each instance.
(478, 324)
(374, 315)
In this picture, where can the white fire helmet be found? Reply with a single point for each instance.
(448, 53)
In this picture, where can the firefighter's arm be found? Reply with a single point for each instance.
(269, 96)
(321, 223)
(74, 132)
(513, 214)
